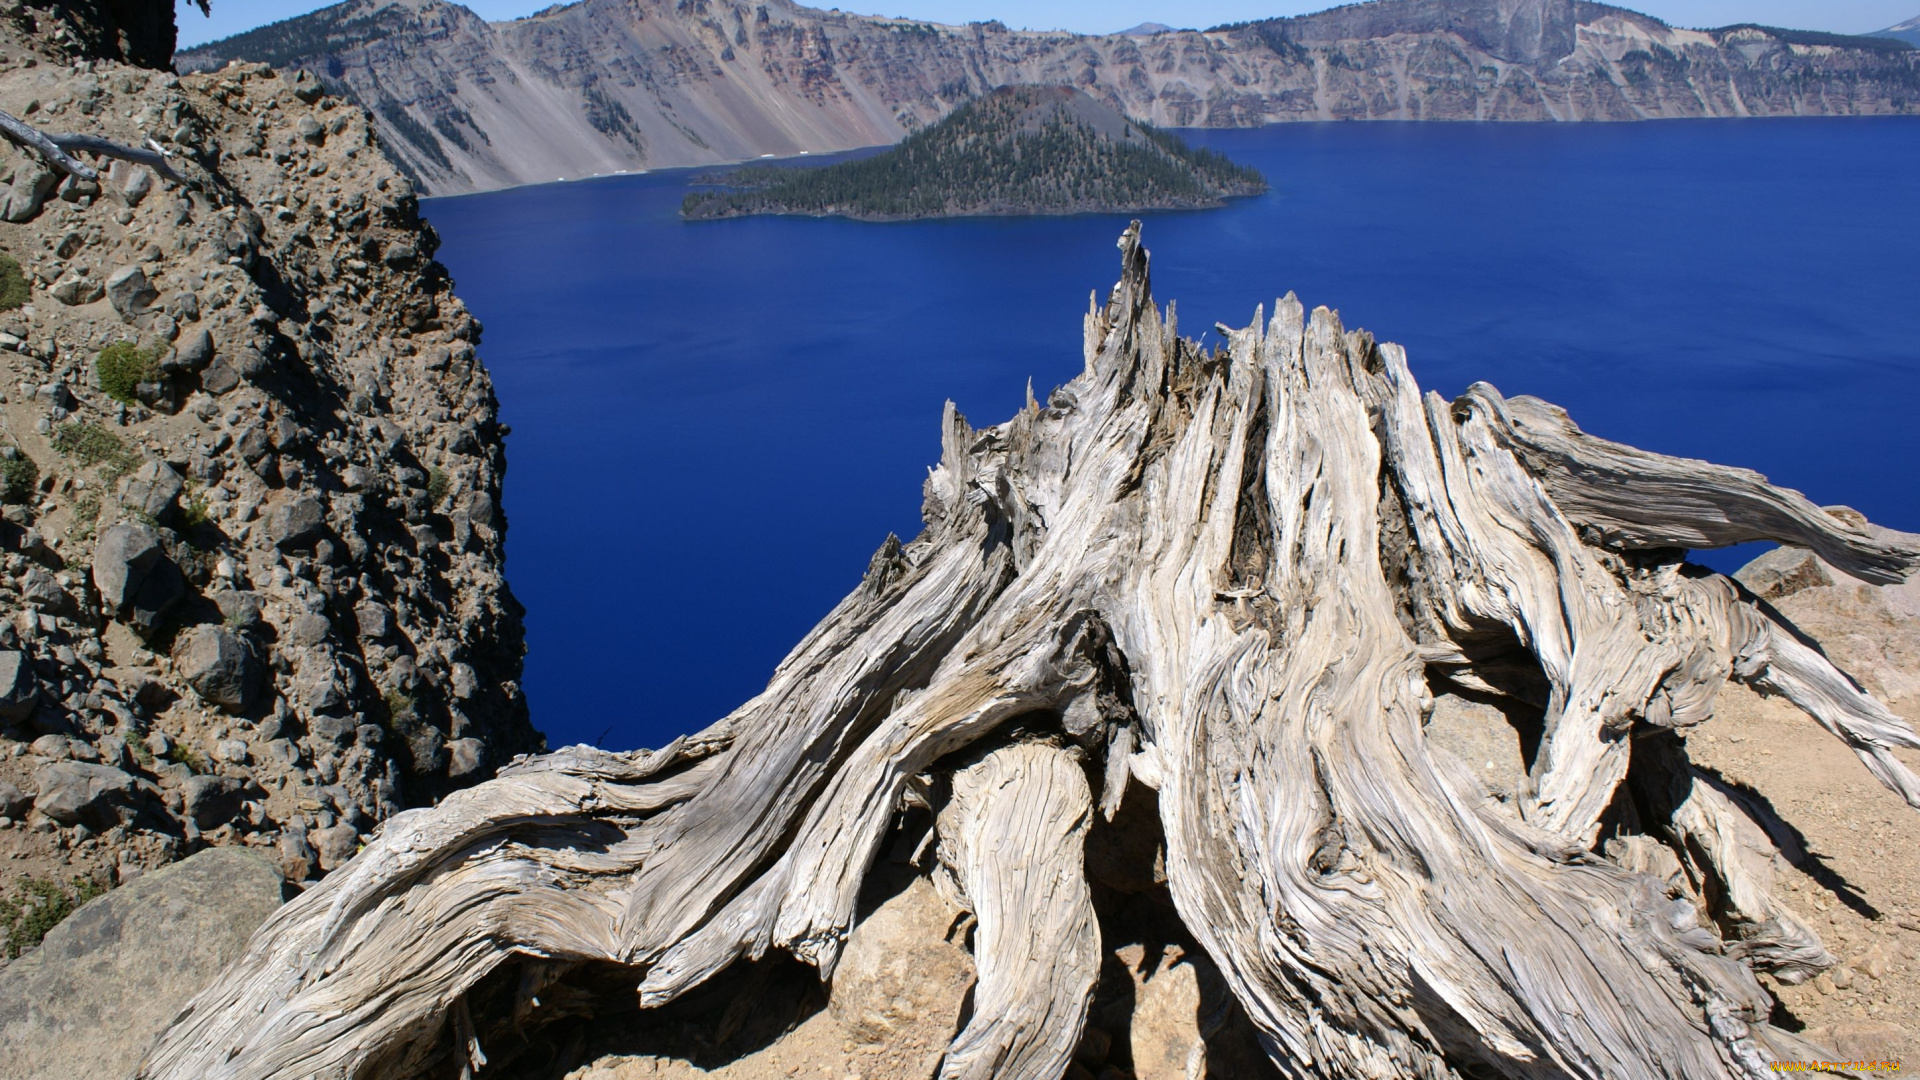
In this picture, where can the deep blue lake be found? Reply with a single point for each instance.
(715, 424)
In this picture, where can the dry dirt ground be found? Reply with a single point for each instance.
(1850, 865)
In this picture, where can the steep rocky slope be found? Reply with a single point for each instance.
(605, 85)
(251, 537)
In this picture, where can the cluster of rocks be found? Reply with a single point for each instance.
(252, 591)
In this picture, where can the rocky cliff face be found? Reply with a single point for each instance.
(251, 535)
(606, 85)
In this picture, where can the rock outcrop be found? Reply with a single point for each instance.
(251, 465)
(602, 86)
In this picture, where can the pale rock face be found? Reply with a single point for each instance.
(1482, 739)
(894, 1003)
(900, 973)
(468, 105)
(1166, 1028)
(108, 979)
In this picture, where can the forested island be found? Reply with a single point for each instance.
(1018, 150)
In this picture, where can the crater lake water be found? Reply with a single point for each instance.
(715, 424)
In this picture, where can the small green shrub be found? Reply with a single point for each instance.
(88, 444)
(18, 475)
(37, 906)
(122, 367)
(194, 512)
(181, 755)
(13, 284)
(86, 514)
(399, 707)
(438, 484)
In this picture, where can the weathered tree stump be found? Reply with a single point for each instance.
(1233, 577)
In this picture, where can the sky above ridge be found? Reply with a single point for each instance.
(1104, 16)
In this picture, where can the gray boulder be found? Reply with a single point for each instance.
(130, 292)
(73, 189)
(219, 664)
(219, 378)
(308, 628)
(480, 509)
(136, 185)
(14, 803)
(134, 575)
(123, 556)
(74, 289)
(154, 490)
(211, 801)
(108, 980)
(19, 687)
(82, 793)
(239, 608)
(374, 620)
(26, 191)
(305, 86)
(336, 845)
(55, 395)
(57, 747)
(42, 590)
(465, 757)
(249, 361)
(297, 522)
(195, 351)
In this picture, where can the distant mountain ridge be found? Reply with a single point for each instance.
(602, 86)
(1908, 31)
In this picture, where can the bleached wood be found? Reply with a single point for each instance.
(151, 155)
(1639, 499)
(1231, 576)
(32, 138)
(1713, 833)
(1013, 835)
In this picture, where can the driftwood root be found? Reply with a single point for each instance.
(1237, 577)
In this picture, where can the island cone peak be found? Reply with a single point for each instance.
(1018, 150)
